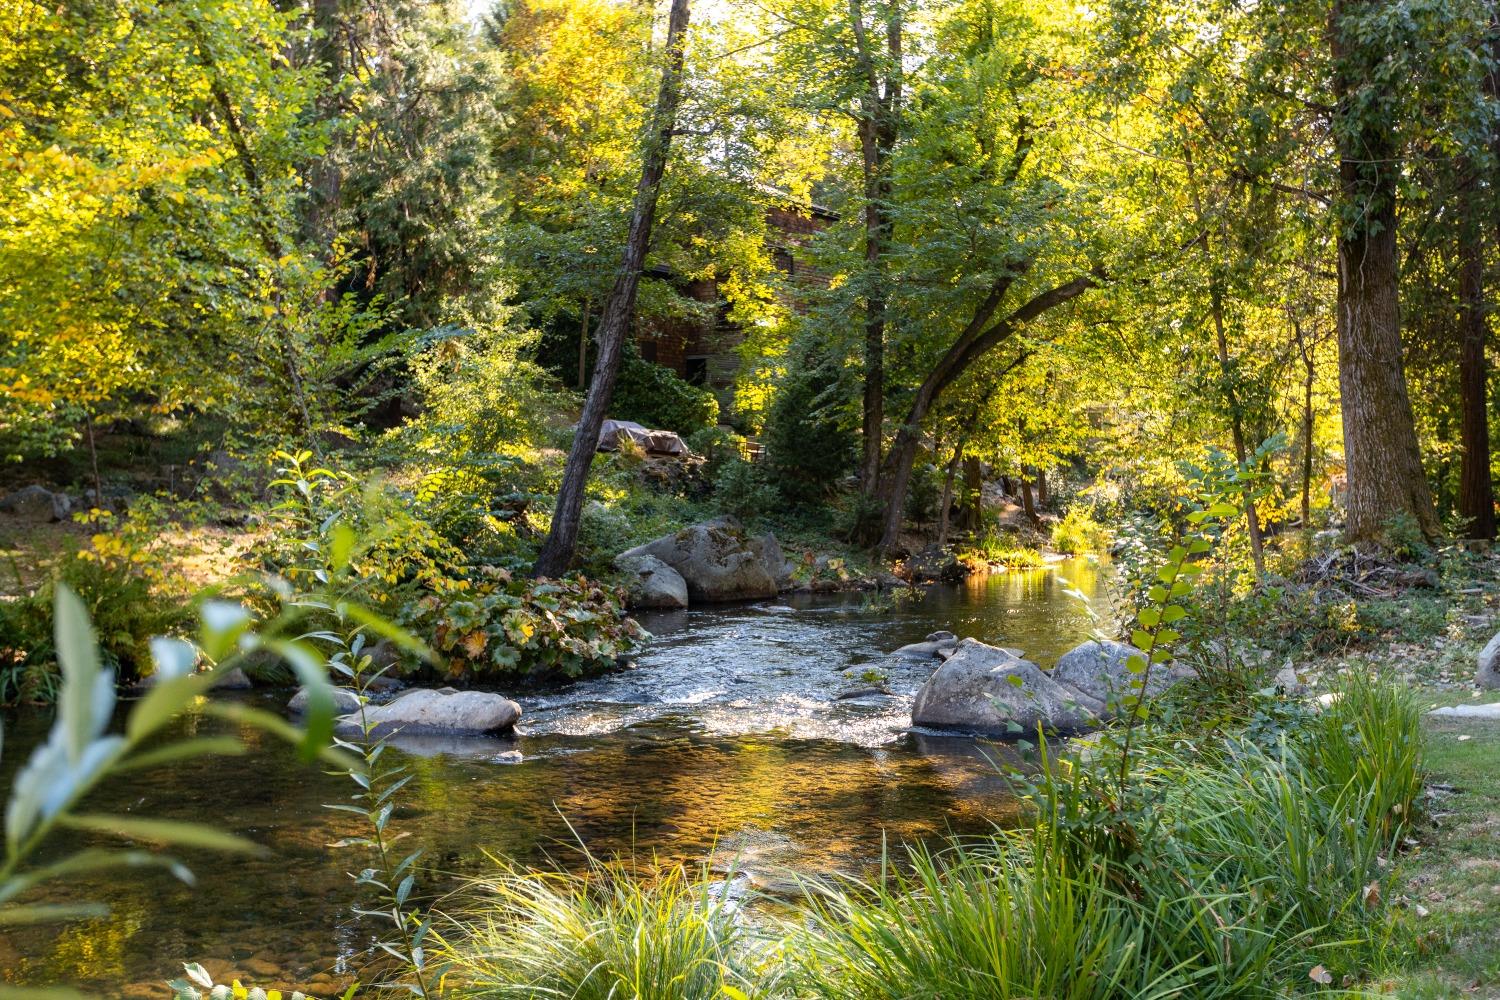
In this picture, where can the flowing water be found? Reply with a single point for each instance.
(766, 733)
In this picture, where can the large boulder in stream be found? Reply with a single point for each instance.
(442, 711)
(653, 584)
(987, 690)
(1099, 669)
(715, 560)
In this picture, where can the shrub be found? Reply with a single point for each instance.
(1078, 533)
(717, 445)
(741, 489)
(126, 597)
(486, 621)
(504, 625)
(652, 395)
(808, 449)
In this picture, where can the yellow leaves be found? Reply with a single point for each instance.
(474, 644)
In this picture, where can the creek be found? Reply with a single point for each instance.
(755, 733)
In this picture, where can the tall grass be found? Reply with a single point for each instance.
(606, 934)
(1241, 872)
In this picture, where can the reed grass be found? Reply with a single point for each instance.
(1241, 872)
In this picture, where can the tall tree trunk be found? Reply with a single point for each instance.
(1226, 369)
(880, 105)
(1381, 454)
(1476, 494)
(1309, 376)
(1028, 503)
(945, 507)
(973, 495)
(1043, 497)
(977, 339)
(619, 309)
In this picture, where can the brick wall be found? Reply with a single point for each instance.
(707, 349)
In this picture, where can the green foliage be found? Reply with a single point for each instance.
(82, 752)
(718, 446)
(127, 600)
(363, 545)
(604, 935)
(502, 625)
(1079, 533)
(1369, 738)
(1001, 549)
(809, 450)
(743, 489)
(1234, 873)
(654, 396)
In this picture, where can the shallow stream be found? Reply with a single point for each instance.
(750, 732)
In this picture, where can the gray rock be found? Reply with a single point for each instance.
(423, 710)
(934, 564)
(1482, 712)
(936, 645)
(1098, 669)
(37, 504)
(1489, 664)
(344, 701)
(653, 584)
(1286, 678)
(768, 550)
(714, 559)
(234, 679)
(986, 690)
(508, 757)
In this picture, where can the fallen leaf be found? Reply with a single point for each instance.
(1371, 895)
(1421, 911)
(1318, 974)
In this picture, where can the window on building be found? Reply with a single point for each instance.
(782, 258)
(648, 350)
(695, 371)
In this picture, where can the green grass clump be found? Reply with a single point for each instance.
(1230, 868)
(604, 935)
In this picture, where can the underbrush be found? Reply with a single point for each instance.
(1079, 534)
(126, 596)
(1229, 868)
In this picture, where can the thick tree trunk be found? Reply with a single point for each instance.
(1381, 454)
(1476, 495)
(619, 310)
(1042, 496)
(973, 495)
(1028, 502)
(1382, 460)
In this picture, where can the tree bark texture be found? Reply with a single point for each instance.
(1382, 459)
(619, 309)
(1476, 494)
